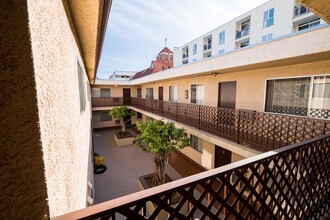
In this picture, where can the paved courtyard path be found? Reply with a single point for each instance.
(124, 165)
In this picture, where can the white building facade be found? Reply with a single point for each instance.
(271, 20)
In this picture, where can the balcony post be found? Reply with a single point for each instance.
(238, 123)
(177, 111)
(199, 117)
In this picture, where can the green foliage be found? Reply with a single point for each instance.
(159, 137)
(120, 113)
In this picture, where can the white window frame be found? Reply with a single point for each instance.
(310, 94)
(174, 90)
(268, 21)
(267, 37)
(194, 49)
(199, 146)
(200, 93)
(222, 37)
(82, 89)
(150, 96)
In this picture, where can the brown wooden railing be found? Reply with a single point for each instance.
(289, 183)
(261, 131)
(103, 102)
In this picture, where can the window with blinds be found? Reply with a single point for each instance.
(105, 93)
(172, 94)
(149, 93)
(196, 143)
(197, 94)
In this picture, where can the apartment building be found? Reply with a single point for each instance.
(271, 20)
(122, 75)
(49, 55)
(235, 107)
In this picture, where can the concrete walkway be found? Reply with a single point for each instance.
(124, 165)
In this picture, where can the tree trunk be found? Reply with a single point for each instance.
(160, 163)
(123, 127)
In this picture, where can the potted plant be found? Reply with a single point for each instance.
(123, 115)
(160, 139)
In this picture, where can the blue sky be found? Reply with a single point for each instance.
(137, 29)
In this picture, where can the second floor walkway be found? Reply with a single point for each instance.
(258, 130)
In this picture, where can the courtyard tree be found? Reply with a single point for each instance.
(121, 114)
(160, 139)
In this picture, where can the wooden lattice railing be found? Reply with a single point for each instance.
(258, 130)
(289, 183)
(106, 101)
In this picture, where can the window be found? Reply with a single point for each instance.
(309, 24)
(269, 18)
(222, 51)
(194, 49)
(194, 60)
(150, 93)
(101, 116)
(288, 96)
(185, 61)
(172, 94)
(185, 52)
(95, 93)
(139, 115)
(208, 43)
(197, 94)
(244, 44)
(139, 93)
(299, 96)
(300, 10)
(105, 93)
(267, 37)
(321, 87)
(222, 37)
(207, 54)
(196, 143)
(105, 116)
(82, 89)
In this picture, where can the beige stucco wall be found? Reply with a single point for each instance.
(251, 85)
(236, 157)
(117, 91)
(65, 131)
(22, 178)
(205, 158)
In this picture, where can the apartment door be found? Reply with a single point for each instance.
(127, 96)
(227, 95)
(160, 98)
(160, 93)
(222, 156)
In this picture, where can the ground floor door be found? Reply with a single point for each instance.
(222, 156)
(127, 96)
(227, 95)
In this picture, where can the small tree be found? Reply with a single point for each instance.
(160, 139)
(120, 113)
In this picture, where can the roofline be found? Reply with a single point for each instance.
(105, 12)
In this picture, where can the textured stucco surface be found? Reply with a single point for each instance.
(22, 180)
(65, 130)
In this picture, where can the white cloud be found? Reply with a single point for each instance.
(137, 28)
